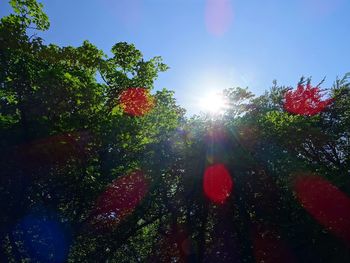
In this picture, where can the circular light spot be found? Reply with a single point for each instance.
(217, 183)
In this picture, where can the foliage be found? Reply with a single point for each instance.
(85, 180)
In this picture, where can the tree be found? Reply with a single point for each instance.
(104, 169)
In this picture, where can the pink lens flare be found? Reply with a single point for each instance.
(218, 16)
(217, 183)
(136, 101)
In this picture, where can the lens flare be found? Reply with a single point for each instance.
(43, 240)
(326, 203)
(119, 200)
(213, 103)
(218, 16)
(217, 183)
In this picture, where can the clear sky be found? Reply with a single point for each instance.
(214, 44)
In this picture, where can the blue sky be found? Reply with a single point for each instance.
(214, 44)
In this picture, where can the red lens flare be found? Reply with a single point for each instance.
(326, 203)
(305, 100)
(269, 246)
(217, 183)
(218, 16)
(119, 200)
(136, 101)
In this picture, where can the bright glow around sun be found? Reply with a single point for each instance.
(213, 103)
(205, 87)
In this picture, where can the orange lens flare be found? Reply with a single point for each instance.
(136, 101)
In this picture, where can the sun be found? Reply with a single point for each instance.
(213, 103)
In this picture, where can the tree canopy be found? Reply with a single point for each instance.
(97, 166)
